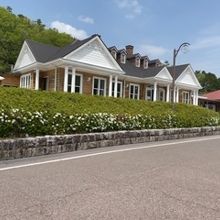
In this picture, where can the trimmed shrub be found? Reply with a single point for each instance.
(30, 113)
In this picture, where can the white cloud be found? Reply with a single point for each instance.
(86, 19)
(132, 7)
(66, 28)
(206, 42)
(152, 50)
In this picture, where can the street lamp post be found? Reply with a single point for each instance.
(175, 53)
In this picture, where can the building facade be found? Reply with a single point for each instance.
(89, 67)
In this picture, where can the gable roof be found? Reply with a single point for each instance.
(178, 70)
(44, 52)
(132, 70)
(215, 95)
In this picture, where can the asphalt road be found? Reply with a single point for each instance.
(164, 180)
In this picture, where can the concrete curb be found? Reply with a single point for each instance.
(44, 145)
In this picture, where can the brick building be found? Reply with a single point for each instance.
(89, 67)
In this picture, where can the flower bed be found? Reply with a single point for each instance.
(19, 122)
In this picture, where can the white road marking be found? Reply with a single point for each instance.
(107, 152)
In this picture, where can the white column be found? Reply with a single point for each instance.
(174, 94)
(194, 97)
(37, 79)
(197, 97)
(155, 92)
(65, 87)
(110, 86)
(177, 95)
(168, 93)
(115, 87)
(73, 83)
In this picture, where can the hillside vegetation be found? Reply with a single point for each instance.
(14, 29)
(25, 112)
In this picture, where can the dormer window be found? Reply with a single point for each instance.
(123, 58)
(145, 64)
(114, 54)
(137, 62)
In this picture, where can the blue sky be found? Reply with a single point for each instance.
(153, 27)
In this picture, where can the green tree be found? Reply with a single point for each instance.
(14, 29)
(208, 81)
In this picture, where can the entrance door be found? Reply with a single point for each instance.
(43, 83)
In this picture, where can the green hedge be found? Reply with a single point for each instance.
(30, 113)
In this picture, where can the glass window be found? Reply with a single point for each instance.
(149, 94)
(185, 97)
(78, 84)
(161, 94)
(69, 85)
(134, 91)
(119, 89)
(25, 81)
(137, 61)
(99, 86)
(122, 58)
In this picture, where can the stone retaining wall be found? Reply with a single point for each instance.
(43, 145)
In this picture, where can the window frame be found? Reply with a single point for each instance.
(122, 57)
(164, 94)
(152, 93)
(81, 82)
(120, 94)
(93, 83)
(24, 79)
(137, 61)
(184, 100)
(133, 94)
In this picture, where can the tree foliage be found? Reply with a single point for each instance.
(208, 81)
(14, 29)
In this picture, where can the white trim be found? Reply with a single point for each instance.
(26, 78)
(110, 86)
(121, 86)
(177, 94)
(184, 100)
(151, 89)
(133, 95)
(65, 86)
(103, 47)
(164, 94)
(99, 78)
(155, 92)
(116, 86)
(168, 93)
(37, 76)
(73, 81)
(198, 86)
(170, 79)
(21, 54)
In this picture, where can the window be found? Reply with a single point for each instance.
(145, 64)
(134, 91)
(119, 89)
(161, 94)
(149, 96)
(137, 62)
(114, 53)
(99, 86)
(123, 57)
(78, 83)
(185, 97)
(25, 81)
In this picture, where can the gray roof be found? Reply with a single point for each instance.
(179, 69)
(131, 70)
(44, 52)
